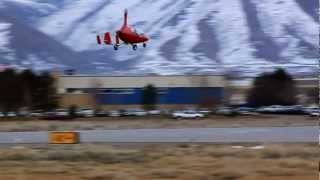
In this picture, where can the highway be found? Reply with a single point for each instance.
(185, 135)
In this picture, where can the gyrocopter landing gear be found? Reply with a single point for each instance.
(144, 45)
(116, 47)
(134, 47)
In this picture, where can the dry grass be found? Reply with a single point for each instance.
(154, 122)
(160, 162)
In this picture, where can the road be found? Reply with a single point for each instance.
(186, 135)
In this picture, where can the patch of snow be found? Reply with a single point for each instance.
(4, 36)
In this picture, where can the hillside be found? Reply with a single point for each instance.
(242, 37)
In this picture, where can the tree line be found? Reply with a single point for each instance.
(27, 89)
(37, 91)
(275, 88)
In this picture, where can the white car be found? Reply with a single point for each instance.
(314, 114)
(311, 109)
(11, 114)
(154, 112)
(272, 109)
(114, 113)
(224, 111)
(187, 115)
(61, 112)
(246, 111)
(85, 112)
(135, 112)
(205, 111)
(37, 113)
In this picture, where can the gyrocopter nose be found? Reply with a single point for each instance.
(144, 38)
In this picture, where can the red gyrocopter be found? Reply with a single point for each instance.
(126, 35)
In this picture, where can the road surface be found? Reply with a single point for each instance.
(186, 135)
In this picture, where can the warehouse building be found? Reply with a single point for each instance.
(119, 92)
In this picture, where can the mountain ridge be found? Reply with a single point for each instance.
(243, 37)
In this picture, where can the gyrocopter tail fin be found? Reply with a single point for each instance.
(106, 39)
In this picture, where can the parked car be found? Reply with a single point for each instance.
(11, 114)
(314, 114)
(310, 109)
(204, 111)
(62, 112)
(246, 111)
(135, 112)
(24, 113)
(100, 113)
(227, 111)
(36, 113)
(166, 112)
(114, 113)
(85, 112)
(59, 114)
(279, 109)
(187, 115)
(313, 111)
(140, 112)
(154, 112)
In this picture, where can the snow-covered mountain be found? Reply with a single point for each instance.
(244, 37)
(23, 46)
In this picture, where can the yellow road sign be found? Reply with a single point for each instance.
(63, 138)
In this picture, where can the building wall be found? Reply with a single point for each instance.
(173, 91)
(80, 100)
(138, 81)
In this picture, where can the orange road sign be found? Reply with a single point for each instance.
(63, 137)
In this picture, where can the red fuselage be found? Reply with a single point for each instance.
(128, 36)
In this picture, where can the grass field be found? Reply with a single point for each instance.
(154, 122)
(160, 162)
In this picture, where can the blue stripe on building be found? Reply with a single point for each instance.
(182, 95)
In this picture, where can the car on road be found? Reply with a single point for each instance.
(187, 115)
